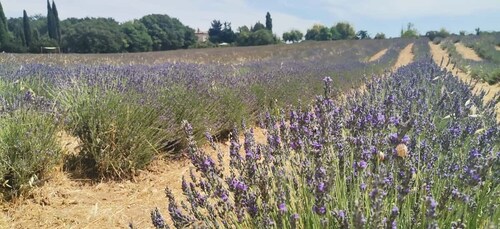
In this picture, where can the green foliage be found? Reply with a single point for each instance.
(258, 26)
(269, 22)
(335, 33)
(136, 37)
(4, 32)
(261, 37)
(94, 35)
(341, 31)
(28, 150)
(56, 23)
(345, 30)
(292, 36)
(217, 34)
(379, 36)
(119, 134)
(443, 33)
(319, 33)
(410, 31)
(168, 33)
(51, 22)
(27, 29)
(363, 34)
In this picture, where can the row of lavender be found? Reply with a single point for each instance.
(414, 150)
(125, 115)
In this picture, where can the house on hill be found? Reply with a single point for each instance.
(202, 36)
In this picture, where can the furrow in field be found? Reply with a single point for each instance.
(439, 54)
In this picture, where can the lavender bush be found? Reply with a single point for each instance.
(414, 150)
(28, 146)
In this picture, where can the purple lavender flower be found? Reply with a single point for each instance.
(320, 210)
(362, 164)
(321, 187)
(282, 207)
(157, 219)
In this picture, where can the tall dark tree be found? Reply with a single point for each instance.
(57, 27)
(27, 29)
(228, 35)
(51, 26)
(215, 32)
(269, 22)
(4, 32)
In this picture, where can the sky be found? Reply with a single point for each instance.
(374, 16)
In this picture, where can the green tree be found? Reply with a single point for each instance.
(4, 32)
(168, 33)
(269, 22)
(319, 33)
(258, 26)
(379, 36)
(228, 34)
(57, 27)
(410, 31)
(215, 32)
(137, 37)
(345, 30)
(293, 36)
(27, 29)
(261, 37)
(94, 35)
(51, 24)
(243, 36)
(335, 33)
(362, 34)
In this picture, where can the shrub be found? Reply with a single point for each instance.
(119, 134)
(28, 150)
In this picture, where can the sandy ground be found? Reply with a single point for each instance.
(438, 54)
(377, 55)
(63, 202)
(466, 52)
(405, 57)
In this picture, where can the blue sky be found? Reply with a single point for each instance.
(386, 16)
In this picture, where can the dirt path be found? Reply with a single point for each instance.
(438, 54)
(405, 57)
(466, 52)
(377, 55)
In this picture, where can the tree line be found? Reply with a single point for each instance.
(153, 32)
(157, 32)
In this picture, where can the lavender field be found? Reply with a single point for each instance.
(350, 143)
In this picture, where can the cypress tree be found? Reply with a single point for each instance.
(50, 21)
(269, 22)
(4, 32)
(57, 28)
(27, 29)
